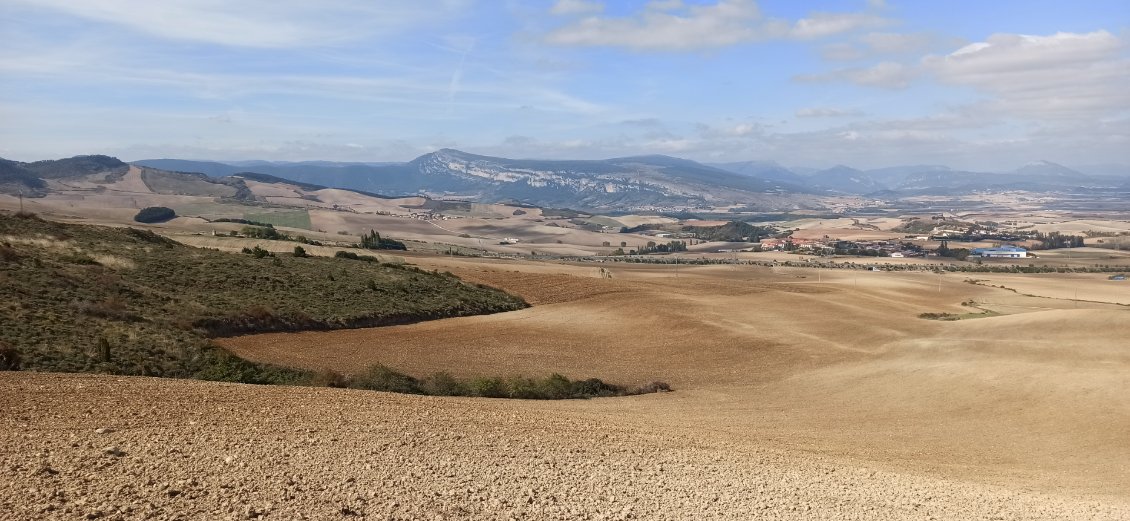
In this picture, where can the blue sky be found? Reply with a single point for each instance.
(970, 84)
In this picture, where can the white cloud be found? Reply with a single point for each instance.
(896, 43)
(821, 25)
(252, 23)
(826, 112)
(888, 75)
(671, 25)
(568, 7)
(702, 26)
(1061, 76)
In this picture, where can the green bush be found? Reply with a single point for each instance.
(443, 384)
(489, 388)
(257, 252)
(381, 378)
(300, 252)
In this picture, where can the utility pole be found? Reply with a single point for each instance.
(21, 200)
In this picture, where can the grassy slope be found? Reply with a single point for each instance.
(65, 288)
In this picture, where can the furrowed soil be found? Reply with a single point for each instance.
(99, 447)
(832, 364)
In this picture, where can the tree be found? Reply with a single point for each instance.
(154, 214)
(374, 241)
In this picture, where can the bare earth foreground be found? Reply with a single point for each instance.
(80, 446)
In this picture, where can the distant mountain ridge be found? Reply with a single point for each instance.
(616, 183)
(610, 183)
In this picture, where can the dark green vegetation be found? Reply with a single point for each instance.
(733, 231)
(374, 241)
(553, 387)
(92, 299)
(268, 232)
(154, 214)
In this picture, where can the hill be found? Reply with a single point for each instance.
(119, 300)
(618, 182)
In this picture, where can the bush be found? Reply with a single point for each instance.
(381, 378)
(330, 378)
(257, 252)
(443, 384)
(10, 359)
(300, 252)
(8, 253)
(489, 388)
(154, 214)
(342, 254)
(262, 232)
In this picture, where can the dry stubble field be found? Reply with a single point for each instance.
(798, 397)
(835, 368)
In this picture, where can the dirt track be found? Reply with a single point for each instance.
(97, 447)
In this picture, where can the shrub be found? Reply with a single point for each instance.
(257, 252)
(262, 232)
(381, 378)
(300, 252)
(556, 387)
(330, 378)
(342, 254)
(154, 214)
(10, 359)
(489, 388)
(937, 316)
(523, 388)
(595, 387)
(8, 253)
(443, 384)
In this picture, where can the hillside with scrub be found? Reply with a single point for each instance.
(78, 298)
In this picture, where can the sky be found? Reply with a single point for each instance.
(867, 83)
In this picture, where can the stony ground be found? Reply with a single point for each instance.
(101, 447)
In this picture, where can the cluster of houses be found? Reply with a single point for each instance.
(430, 216)
(836, 246)
(882, 248)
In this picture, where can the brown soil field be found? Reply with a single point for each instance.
(838, 365)
(100, 447)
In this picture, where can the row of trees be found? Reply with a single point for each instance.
(374, 241)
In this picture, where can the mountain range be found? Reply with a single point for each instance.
(618, 183)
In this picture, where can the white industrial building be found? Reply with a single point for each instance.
(1000, 252)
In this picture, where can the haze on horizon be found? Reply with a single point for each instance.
(867, 83)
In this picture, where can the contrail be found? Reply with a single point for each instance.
(457, 76)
